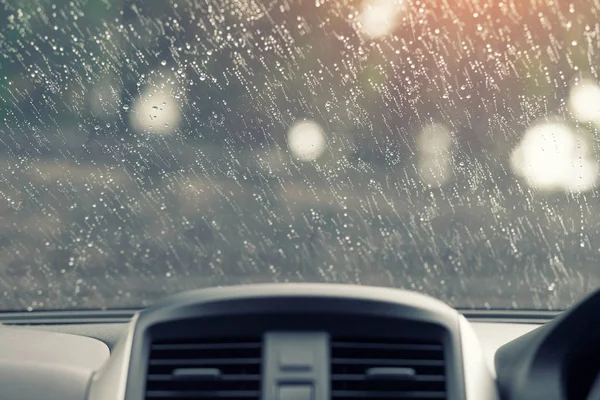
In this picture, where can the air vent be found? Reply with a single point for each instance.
(387, 369)
(204, 369)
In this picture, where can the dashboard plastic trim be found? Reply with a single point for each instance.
(480, 381)
(121, 316)
(111, 382)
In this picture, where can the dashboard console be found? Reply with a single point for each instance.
(302, 342)
(297, 342)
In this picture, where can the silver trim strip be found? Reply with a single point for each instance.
(110, 382)
(480, 382)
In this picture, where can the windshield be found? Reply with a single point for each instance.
(151, 147)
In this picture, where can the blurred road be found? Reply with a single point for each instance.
(101, 233)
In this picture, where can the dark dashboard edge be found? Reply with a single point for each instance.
(510, 316)
(123, 316)
(67, 317)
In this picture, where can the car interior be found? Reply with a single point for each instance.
(299, 199)
(301, 341)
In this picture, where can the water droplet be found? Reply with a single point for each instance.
(163, 63)
(97, 127)
(125, 107)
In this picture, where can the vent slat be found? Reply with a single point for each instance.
(383, 361)
(213, 361)
(205, 369)
(232, 378)
(361, 377)
(387, 346)
(205, 346)
(368, 394)
(354, 360)
(221, 394)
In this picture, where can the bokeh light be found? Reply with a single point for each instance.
(584, 101)
(156, 111)
(434, 143)
(306, 140)
(551, 156)
(379, 17)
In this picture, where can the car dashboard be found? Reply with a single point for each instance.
(303, 342)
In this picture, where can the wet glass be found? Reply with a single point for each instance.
(150, 147)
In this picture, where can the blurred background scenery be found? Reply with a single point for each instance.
(149, 147)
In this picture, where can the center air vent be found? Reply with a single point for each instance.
(204, 369)
(387, 369)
